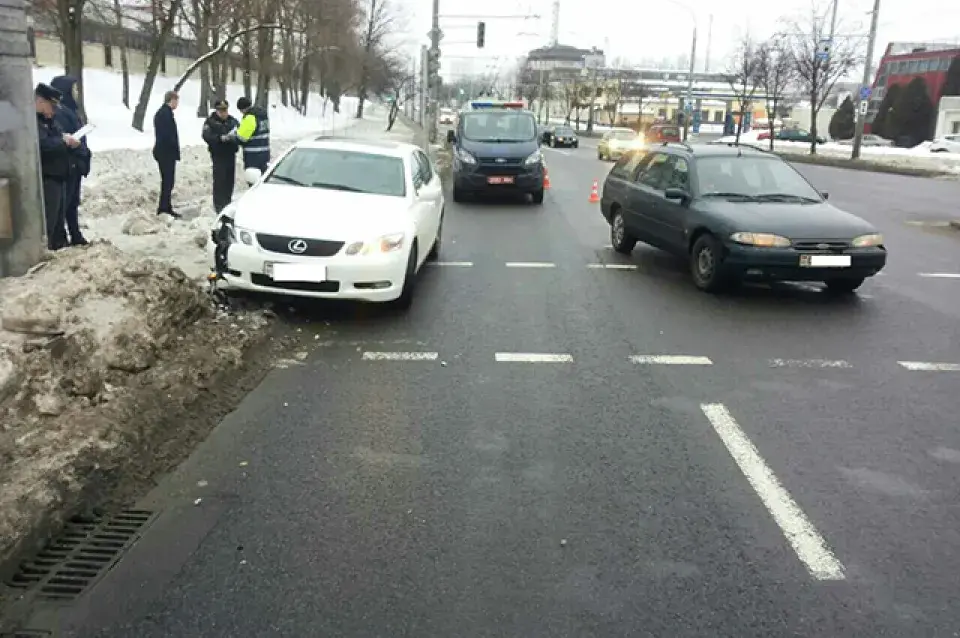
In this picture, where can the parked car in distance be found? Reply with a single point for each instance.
(946, 144)
(557, 136)
(616, 142)
(870, 140)
(797, 135)
(662, 132)
(446, 116)
(737, 213)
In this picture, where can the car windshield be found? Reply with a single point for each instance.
(499, 126)
(623, 135)
(564, 131)
(760, 178)
(342, 170)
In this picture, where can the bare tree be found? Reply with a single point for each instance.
(742, 76)
(818, 72)
(775, 72)
(379, 24)
(395, 76)
(165, 14)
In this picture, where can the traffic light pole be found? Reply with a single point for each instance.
(434, 72)
(867, 63)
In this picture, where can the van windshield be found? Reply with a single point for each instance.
(499, 126)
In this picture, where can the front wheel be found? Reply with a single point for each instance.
(621, 240)
(405, 300)
(706, 260)
(434, 254)
(845, 285)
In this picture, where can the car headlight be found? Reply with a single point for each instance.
(761, 240)
(377, 246)
(535, 157)
(464, 156)
(245, 236)
(865, 241)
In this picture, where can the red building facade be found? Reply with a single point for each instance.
(903, 61)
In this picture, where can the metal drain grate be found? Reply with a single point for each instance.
(73, 561)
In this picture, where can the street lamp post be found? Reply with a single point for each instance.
(688, 101)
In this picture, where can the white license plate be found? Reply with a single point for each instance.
(295, 272)
(825, 261)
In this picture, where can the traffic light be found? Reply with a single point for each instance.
(433, 61)
(481, 34)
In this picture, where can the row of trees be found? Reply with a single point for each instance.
(338, 46)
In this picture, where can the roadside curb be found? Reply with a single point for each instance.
(863, 165)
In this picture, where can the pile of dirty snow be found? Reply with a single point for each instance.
(95, 347)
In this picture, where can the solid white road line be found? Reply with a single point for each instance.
(810, 547)
(532, 357)
(612, 266)
(459, 264)
(400, 356)
(670, 360)
(530, 264)
(940, 275)
(809, 363)
(929, 366)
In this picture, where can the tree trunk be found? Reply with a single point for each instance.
(71, 35)
(771, 116)
(265, 71)
(206, 99)
(156, 53)
(367, 47)
(247, 64)
(394, 111)
(305, 82)
(120, 39)
(814, 111)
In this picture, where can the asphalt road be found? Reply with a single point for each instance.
(781, 475)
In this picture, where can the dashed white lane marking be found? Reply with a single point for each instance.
(530, 264)
(940, 275)
(929, 366)
(806, 541)
(612, 266)
(670, 360)
(809, 363)
(400, 356)
(454, 264)
(532, 357)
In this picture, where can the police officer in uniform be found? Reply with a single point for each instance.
(55, 162)
(219, 132)
(254, 135)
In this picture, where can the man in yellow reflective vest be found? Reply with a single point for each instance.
(253, 135)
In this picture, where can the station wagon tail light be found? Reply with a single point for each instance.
(866, 241)
(760, 240)
(384, 244)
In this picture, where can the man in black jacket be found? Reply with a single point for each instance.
(166, 150)
(219, 132)
(55, 147)
(68, 118)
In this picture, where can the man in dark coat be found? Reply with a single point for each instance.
(219, 132)
(166, 150)
(68, 118)
(55, 148)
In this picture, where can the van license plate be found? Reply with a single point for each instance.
(499, 180)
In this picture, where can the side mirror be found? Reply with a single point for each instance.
(252, 175)
(676, 193)
(451, 137)
(825, 195)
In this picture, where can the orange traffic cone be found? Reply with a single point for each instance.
(546, 179)
(595, 192)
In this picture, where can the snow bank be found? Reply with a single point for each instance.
(90, 339)
(103, 92)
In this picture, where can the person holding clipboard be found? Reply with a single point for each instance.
(68, 117)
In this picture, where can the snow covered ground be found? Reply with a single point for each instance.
(916, 157)
(105, 109)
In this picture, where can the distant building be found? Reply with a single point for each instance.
(904, 61)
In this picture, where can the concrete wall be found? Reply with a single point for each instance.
(49, 52)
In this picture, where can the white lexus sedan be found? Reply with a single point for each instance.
(333, 219)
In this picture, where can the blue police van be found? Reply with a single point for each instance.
(496, 150)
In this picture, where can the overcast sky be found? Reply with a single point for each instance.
(637, 30)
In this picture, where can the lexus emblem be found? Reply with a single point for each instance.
(297, 246)
(501, 160)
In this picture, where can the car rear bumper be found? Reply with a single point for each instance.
(375, 278)
(784, 264)
(566, 143)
